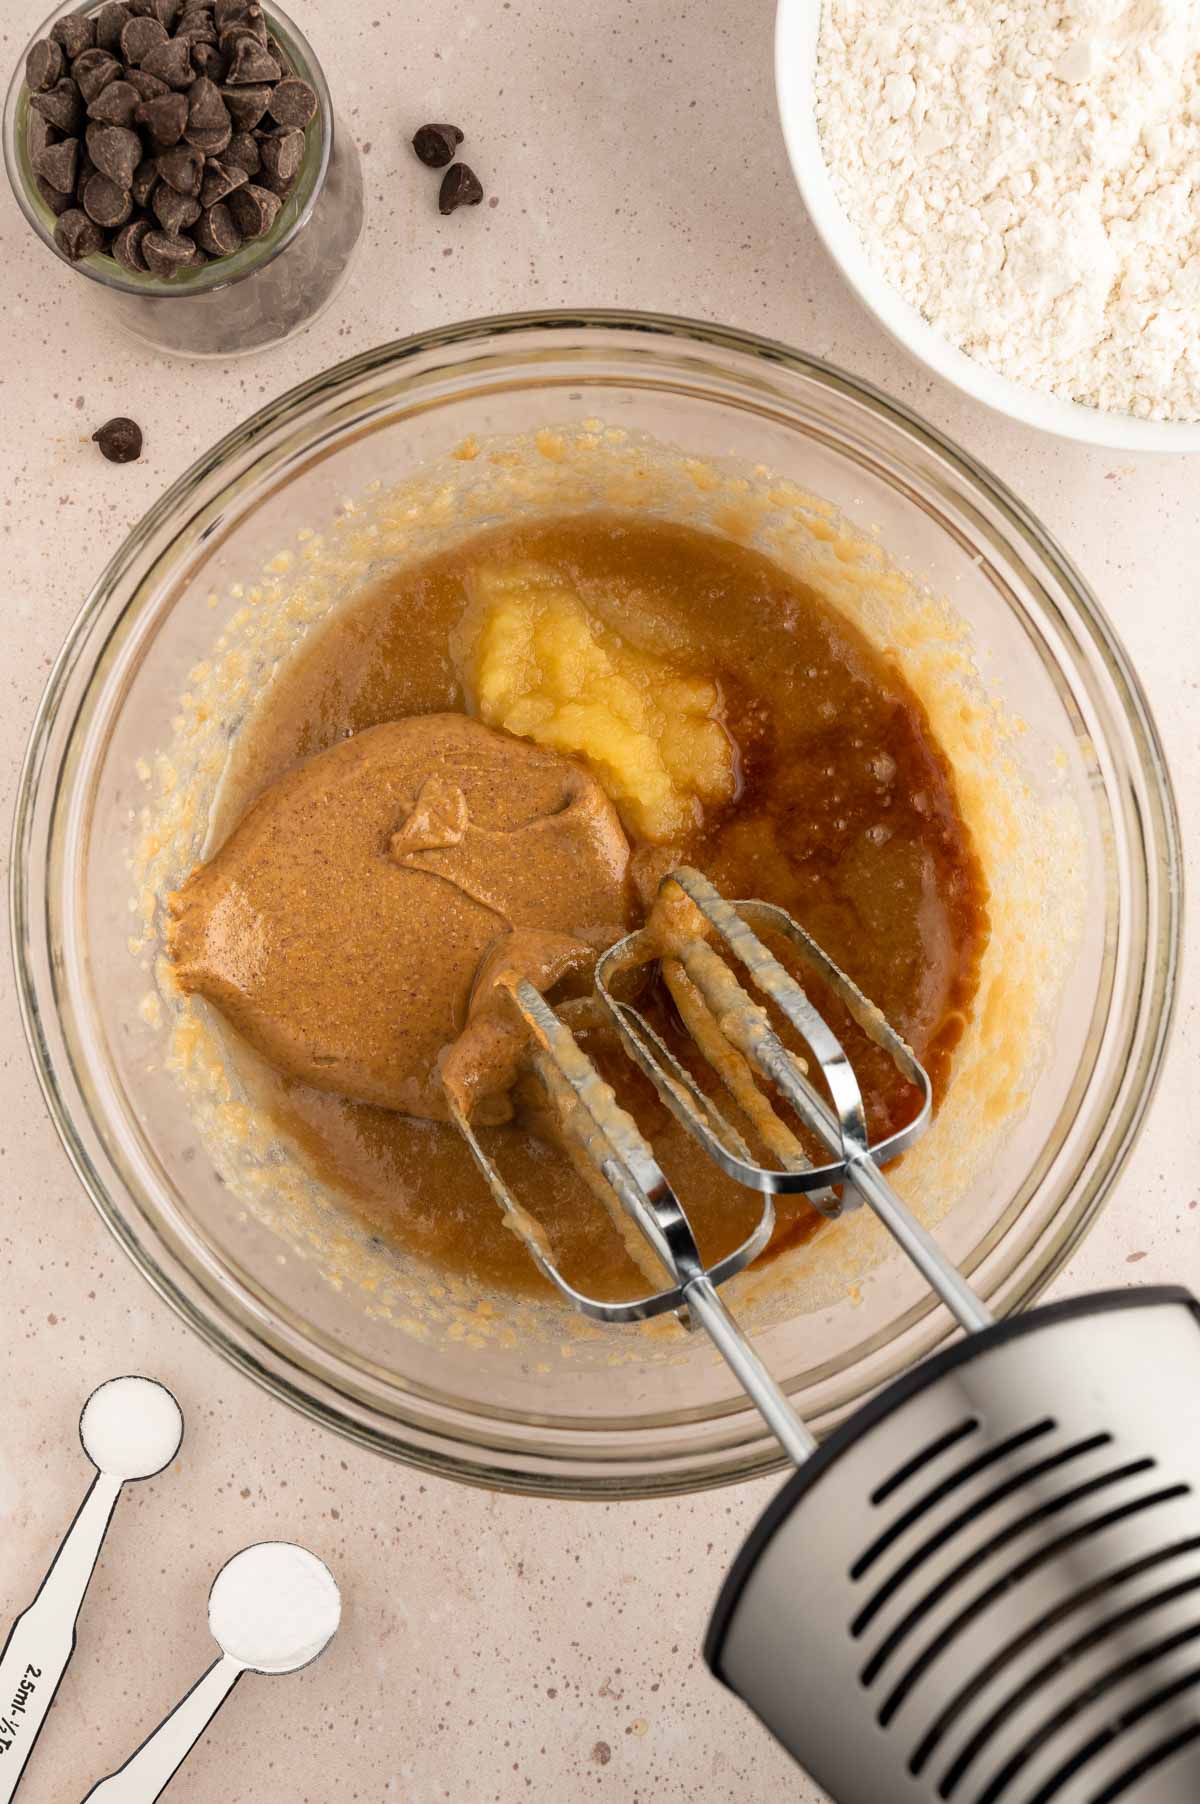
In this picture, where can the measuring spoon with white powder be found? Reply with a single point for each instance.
(272, 1608)
(130, 1428)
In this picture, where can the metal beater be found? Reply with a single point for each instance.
(985, 1586)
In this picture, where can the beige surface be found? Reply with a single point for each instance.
(492, 1649)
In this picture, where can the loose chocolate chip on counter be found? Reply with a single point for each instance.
(139, 37)
(120, 440)
(58, 164)
(78, 236)
(293, 102)
(44, 65)
(62, 107)
(145, 181)
(183, 168)
(281, 160)
(111, 20)
(216, 233)
(164, 118)
(127, 246)
(75, 32)
(220, 180)
(254, 209)
(242, 152)
(460, 187)
(174, 212)
(167, 254)
(246, 106)
(435, 145)
(116, 104)
(115, 150)
(148, 87)
(104, 202)
(92, 71)
(57, 203)
(171, 63)
(250, 64)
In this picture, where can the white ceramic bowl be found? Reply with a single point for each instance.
(797, 28)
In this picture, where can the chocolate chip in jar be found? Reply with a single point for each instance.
(174, 212)
(220, 180)
(145, 181)
(44, 66)
(246, 106)
(56, 201)
(61, 106)
(75, 33)
(127, 246)
(242, 153)
(106, 203)
(147, 87)
(116, 104)
(58, 164)
(251, 65)
(78, 236)
(164, 118)
(168, 253)
(138, 38)
(120, 440)
(111, 20)
(171, 62)
(183, 168)
(115, 150)
(293, 102)
(281, 159)
(216, 231)
(254, 209)
(92, 71)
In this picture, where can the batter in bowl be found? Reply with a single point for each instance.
(508, 744)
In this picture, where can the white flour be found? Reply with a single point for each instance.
(1028, 175)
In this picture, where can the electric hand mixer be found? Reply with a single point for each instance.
(985, 1586)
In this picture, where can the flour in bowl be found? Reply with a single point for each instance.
(1028, 176)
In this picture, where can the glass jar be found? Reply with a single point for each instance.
(274, 286)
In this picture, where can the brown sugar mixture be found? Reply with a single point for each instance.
(488, 760)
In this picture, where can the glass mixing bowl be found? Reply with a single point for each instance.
(587, 1425)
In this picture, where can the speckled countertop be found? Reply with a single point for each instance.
(492, 1648)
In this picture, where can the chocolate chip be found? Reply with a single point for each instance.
(166, 12)
(62, 106)
(142, 9)
(41, 133)
(92, 71)
(145, 181)
(174, 212)
(167, 254)
(220, 180)
(116, 151)
(139, 37)
(254, 209)
(212, 140)
(104, 202)
(57, 203)
(249, 64)
(183, 168)
(242, 152)
(246, 105)
(197, 27)
(110, 22)
(281, 160)
(120, 440)
(116, 104)
(147, 86)
(87, 169)
(171, 63)
(44, 65)
(164, 118)
(435, 145)
(78, 236)
(205, 106)
(58, 164)
(127, 246)
(216, 232)
(293, 102)
(461, 187)
(209, 60)
(75, 32)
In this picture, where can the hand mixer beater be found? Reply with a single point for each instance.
(985, 1585)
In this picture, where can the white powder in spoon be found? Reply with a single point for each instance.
(1028, 176)
(274, 1606)
(131, 1427)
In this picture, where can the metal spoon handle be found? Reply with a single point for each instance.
(148, 1772)
(42, 1639)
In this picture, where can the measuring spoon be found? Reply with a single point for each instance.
(272, 1608)
(130, 1428)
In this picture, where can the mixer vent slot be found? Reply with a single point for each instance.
(1174, 1744)
(1050, 1669)
(1124, 1719)
(945, 1532)
(1040, 1556)
(946, 1488)
(1020, 1644)
(925, 1457)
